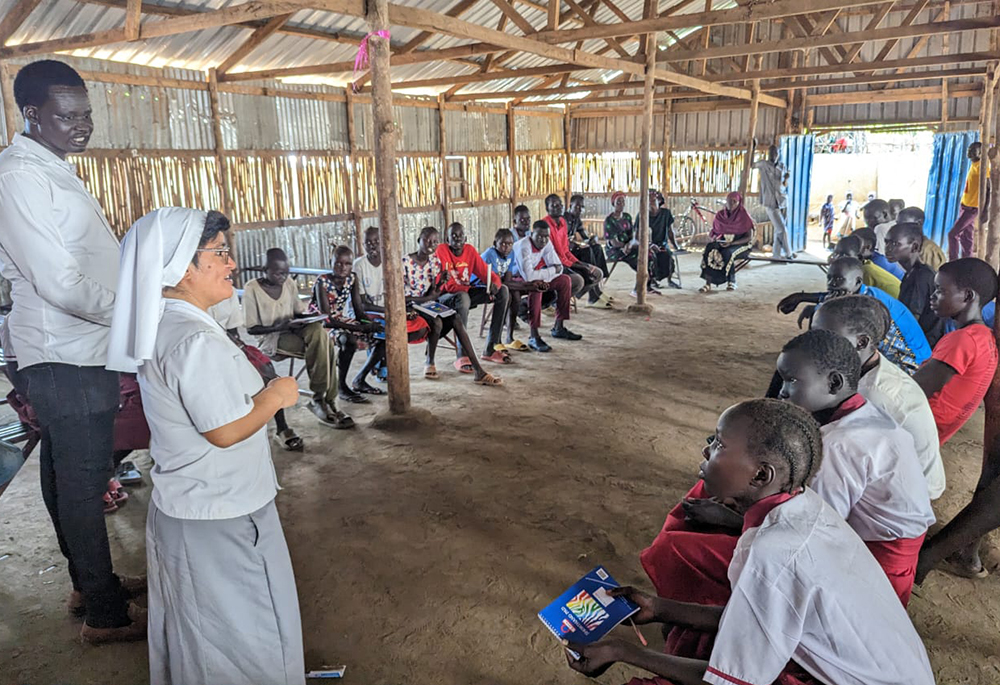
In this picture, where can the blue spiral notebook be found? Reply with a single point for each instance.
(585, 612)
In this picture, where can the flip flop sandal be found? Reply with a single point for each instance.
(500, 346)
(431, 372)
(489, 379)
(128, 474)
(292, 442)
(110, 506)
(366, 389)
(498, 357)
(463, 365)
(340, 420)
(353, 398)
(705, 289)
(956, 569)
(517, 346)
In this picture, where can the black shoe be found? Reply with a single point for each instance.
(348, 395)
(330, 416)
(565, 334)
(674, 284)
(539, 345)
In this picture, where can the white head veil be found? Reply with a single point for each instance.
(155, 254)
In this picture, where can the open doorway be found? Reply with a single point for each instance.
(890, 164)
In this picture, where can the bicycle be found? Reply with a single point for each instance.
(692, 223)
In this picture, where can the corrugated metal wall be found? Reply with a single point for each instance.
(418, 128)
(722, 128)
(475, 131)
(538, 133)
(256, 122)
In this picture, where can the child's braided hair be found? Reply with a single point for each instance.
(783, 432)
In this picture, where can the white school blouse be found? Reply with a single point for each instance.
(895, 392)
(370, 280)
(805, 588)
(870, 475)
(61, 257)
(197, 381)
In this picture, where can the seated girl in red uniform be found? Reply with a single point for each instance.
(808, 603)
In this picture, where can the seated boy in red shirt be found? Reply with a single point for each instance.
(461, 262)
(955, 380)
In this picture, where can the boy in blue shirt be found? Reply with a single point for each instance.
(905, 345)
(500, 259)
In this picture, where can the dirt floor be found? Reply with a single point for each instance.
(424, 557)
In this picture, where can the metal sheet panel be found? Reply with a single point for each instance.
(481, 223)
(475, 131)
(417, 128)
(538, 133)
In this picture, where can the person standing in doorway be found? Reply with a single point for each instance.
(849, 216)
(960, 235)
(772, 196)
(61, 256)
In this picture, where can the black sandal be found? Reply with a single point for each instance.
(353, 397)
(292, 442)
(365, 389)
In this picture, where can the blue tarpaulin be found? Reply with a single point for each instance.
(797, 155)
(946, 182)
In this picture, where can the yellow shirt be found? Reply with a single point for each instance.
(970, 198)
(874, 275)
(932, 255)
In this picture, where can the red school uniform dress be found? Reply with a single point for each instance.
(972, 352)
(461, 268)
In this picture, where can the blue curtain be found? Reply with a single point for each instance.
(946, 182)
(796, 154)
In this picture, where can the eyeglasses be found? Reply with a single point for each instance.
(220, 252)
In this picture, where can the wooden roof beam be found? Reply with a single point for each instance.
(416, 57)
(15, 17)
(853, 52)
(872, 78)
(907, 21)
(515, 17)
(424, 36)
(812, 42)
(894, 95)
(738, 15)
(253, 42)
(479, 77)
(861, 67)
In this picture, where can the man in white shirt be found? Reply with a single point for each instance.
(371, 285)
(540, 267)
(772, 175)
(60, 254)
(863, 321)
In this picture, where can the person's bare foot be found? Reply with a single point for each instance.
(964, 565)
(134, 631)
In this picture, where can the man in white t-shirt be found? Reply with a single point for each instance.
(368, 268)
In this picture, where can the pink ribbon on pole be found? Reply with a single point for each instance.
(361, 61)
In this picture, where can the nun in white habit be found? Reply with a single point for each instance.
(223, 608)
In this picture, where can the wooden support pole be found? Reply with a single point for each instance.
(980, 242)
(992, 180)
(668, 128)
(944, 104)
(352, 148)
(222, 177)
(745, 179)
(133, 18)
(642, 264)
(567, 143)
(12, 118)
(512, 159)
(443, 152)
(397, 358)
(221, 173)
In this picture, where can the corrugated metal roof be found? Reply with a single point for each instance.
(203, 49)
